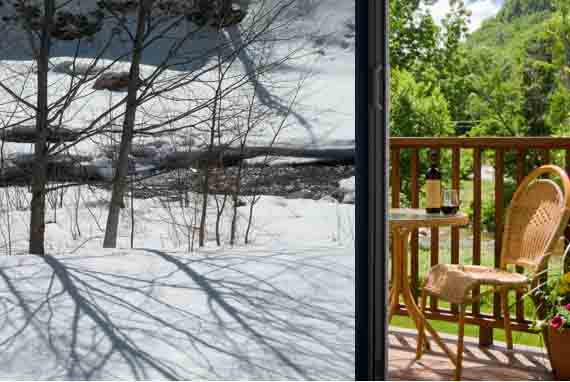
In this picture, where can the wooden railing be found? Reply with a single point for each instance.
(543, 149)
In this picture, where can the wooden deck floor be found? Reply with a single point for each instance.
(490, 363)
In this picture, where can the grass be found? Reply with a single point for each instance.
(520, 338)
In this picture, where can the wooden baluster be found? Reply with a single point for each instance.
(499, 214)
(455, 184)
(395, 177)
(434, 251)
(415, 202)
(520, 165)
(520, 176)
(546, 157)
(485, 333)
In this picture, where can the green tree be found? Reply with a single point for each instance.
(517, 8)
(413, 34)
(432, 54)
(417, 110)
(559, 111)
(496, 101)
(558, 115)
(564, 36)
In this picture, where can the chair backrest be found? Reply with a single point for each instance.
(536, 219)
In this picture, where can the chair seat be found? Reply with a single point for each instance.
(453, 282)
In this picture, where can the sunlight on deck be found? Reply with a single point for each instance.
(490, 363)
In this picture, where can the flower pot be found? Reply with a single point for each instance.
(560, 353)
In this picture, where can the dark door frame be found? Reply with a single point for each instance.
(371, 206)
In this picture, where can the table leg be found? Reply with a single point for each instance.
(410, 303)
(396, 282)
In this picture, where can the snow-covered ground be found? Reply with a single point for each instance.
(281, 307)
(248, 313)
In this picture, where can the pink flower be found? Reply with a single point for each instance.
(556, 322)
(567, 306)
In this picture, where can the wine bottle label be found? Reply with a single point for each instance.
(433, 193)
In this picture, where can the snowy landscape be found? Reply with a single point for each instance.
(163, 304)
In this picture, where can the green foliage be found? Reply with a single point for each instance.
(523, 87)
(509, 78)
(488, 215)
(429, 79)
(488, 206)
(555, 299)
(539, 80)
(432, 54)
(559, 112)
(496, 101)
(417, 109)
(413, 34)
(506, 39)
(513, 9)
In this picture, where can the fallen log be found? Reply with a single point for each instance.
(28, 134)
(229, 156)
(78, 169)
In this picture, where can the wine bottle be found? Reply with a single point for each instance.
(433, 185)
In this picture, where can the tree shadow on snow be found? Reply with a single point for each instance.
(156, 315)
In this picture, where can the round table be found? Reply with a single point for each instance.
(402, 222)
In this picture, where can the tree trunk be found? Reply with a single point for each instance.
(206, 169)
(39, 171)
(235, 206)
(205, 189)
(132, 214)
(122, 165)
(250, 219)
(220, 212)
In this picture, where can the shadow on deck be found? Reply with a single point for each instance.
(490, 363)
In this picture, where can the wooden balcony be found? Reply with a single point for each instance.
(492, 363)
(511, 159)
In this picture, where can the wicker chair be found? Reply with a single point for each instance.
(535, 220)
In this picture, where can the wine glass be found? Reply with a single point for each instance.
(450, 202)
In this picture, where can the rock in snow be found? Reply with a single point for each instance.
(113, 81)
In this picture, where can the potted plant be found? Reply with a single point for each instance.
(555, 323)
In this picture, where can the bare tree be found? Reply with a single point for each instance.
(251, 123)
(162, 85)
(249, 126)
(122, 164)
(39, 173)
(41, 26)
(50, 107)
